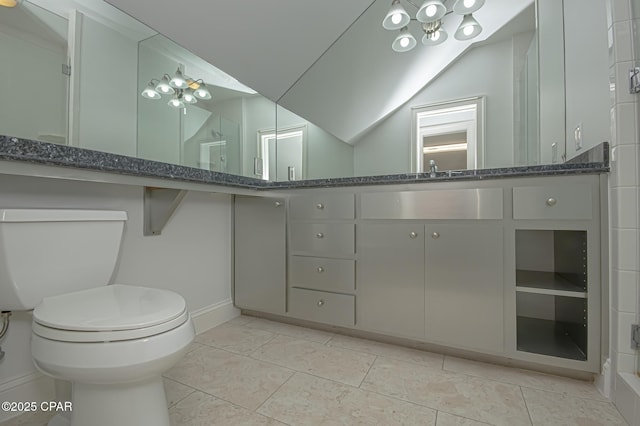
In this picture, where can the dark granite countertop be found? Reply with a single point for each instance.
(595, 160)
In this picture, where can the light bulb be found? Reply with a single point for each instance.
(469, 3)
(176, 103)
(188, 97)
(468, 30)
(178, 81)
(396, 18)
(431, 10)
(435, 36)
(404, 41)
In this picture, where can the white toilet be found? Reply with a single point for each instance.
(112, 342)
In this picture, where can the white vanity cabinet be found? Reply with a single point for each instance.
(260, 254)
(503, 267)
(465, 285)
(430, 266)
(390, 271)
(321, 285)
(557, 277)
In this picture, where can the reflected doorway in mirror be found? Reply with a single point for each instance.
(450, 133)
(213, 156)
(283, 153)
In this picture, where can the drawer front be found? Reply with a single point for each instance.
(320, 306)
(553, 202)
(322, 206)
(480, 203)
(323, 274)
(332, 239)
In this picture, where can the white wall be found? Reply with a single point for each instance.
(259, 114)
(485, 70)
(108, 89)
(327, 156)
(32, 86)
(624, 193)
(191, 257)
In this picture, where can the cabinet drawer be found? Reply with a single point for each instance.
(479, 203)
(322, 206)
(323, 274)
(335, 239)
(320, 306)
(553, 202)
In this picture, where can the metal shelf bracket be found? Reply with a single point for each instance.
(159, 206)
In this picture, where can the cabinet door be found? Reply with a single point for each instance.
(464, 286)
(390, 279)
(260, 254)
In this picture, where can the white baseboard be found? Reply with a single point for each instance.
(212, 316)
(33, 386)
(604, 381)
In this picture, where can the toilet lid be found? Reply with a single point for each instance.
(110, 308)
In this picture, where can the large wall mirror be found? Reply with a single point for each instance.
(85, 74)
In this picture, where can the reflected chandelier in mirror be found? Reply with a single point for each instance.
(430, 15)
(184, 89)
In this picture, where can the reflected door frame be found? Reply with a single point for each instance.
(468, 127)
(265, 141)
(471, 109)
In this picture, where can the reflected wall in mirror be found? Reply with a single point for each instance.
(355, 103)
(364, 92)
(33, 87)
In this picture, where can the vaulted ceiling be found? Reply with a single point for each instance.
(265, 44)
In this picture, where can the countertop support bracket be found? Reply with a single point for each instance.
(159, 206)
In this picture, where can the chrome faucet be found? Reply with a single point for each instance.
(433, 168)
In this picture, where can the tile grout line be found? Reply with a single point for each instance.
(184, 397)
(526, 405)
(465, 417)
(240, 406)
(375, 357)
(273, 393)
(193, 390)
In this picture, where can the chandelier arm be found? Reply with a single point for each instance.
(418, 7)
(413, 4)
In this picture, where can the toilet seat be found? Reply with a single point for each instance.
(109, 313)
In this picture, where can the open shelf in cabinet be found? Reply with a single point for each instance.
(555, 283)
(553, 338)
(552, 292)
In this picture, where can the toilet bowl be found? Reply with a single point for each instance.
(111, 341)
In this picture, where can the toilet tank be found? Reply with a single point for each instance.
(50, 252)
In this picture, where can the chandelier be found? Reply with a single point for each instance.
(430, 15)
(182, 89)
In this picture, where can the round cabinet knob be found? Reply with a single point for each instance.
(320, 269)
(413, 235)
(319, 235)
(320, 303)
(435, 235)
(319, 206)
(551, 201)
(277, 204)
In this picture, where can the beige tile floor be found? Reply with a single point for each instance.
(251, 371)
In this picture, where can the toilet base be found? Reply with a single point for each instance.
(124, 404)
(59, 420)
